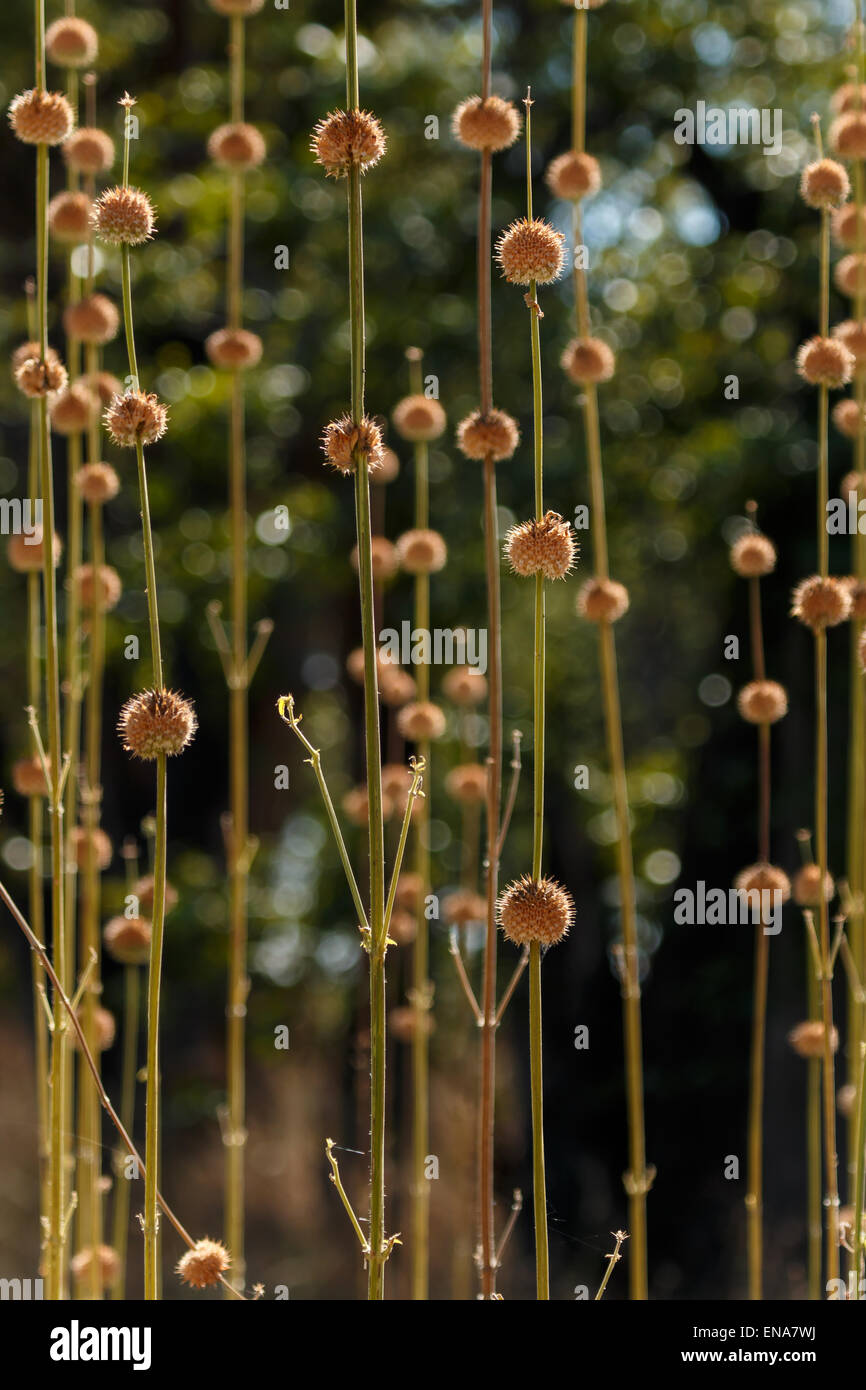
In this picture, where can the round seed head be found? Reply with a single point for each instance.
(853, 483)
(234, 348)
(573, 175)
(396, 780)
(463, 909)
(93, 319)
(807, 1038)
(465, 686)
(529, 251)
(535, 910)
(486, 124)
(846, 417)
(346, 139)
(849, 274)
(602, 600)
(123, 216)
(73, 410)
(104, 386)
(753, 555)
(857, 590)
(69, 216)
(422, 552)
(806, 887)
(405, 1023)
(545, 547)
(492, 435)
(71, 43)
(851, 96)
(388, 468)
(102, 587)
(236, 7)
(41, 118)
(155, 722)
(763, 878)
(97, 482)
(384, 556)
(28, 777)
(127, 939)
(136, 417)
(85, 841)
(89, 150)
(762, 702)
(467, 783)
(825, 184)
(416, 417)
(825, 362)
(403, 927)
(408, 894)
(845, 1099)
(396, 686)
(237, 146)
(853, 335)
(847, 136)
(204, 1264)
(821, 602)
(108, 1260)
(588, 360)
(143, 890)
(104, 1030)
(421, 721)
(26, 553)
(343, 439)
(356, 804)
(36, 377)
(844, 225)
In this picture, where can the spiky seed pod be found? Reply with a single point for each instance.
(846, 417)
(104, 386)
(25, 553)
(763, 878)
(857, 590)
(41, 118)
(602, 600)
(825, 362)
(421, 721)
(35, 377)
(492, 435)
(851, 96)
(396, 686)
(843, 225)
(137, 417)
(107, 1259)
(763, 702)
(464, 908)
(573, 175)
(384, 557)
(237, 146)
(97, 482)
(853, 335)
(356, 804)
(422, 552)
(545, 547)
(343, 439)
(418, 418)
(388, 468)
(403, 927)
(807, 1038)
(820, 602)
(28, 777)
(236, 7)
(127, 939)
(82, 838)
(204, 1264)
(806, 886)
(157, 721)
(346, 139)
(850, 273)
(106, 585)
(465, 686)
(847, 136)
(490, 123)
(72, 410)
(123, 216)
(588, 361)
(69, 216)
(408, 893)
(528, 251)
(93, 319)
(753, 555)
(404, 1023)
(71, 43)
(89, 151)
(825, 184)
(104, 1030)
(143, 890)
(467, 783)
(234, 348)
(535, 910)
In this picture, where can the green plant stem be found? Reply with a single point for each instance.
(151, 1146)
(120, 1225)
(815, 1215)
(831, 1179)
(539, 1192)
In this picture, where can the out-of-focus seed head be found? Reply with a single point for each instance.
(853, 335)
(491, 435)
(419, 418)
(850, 274)
(821, 602)
(405, 1023)
(234, 348)
(464, 908)
(825, 184)
(602, 600)
(343, 440)
(530, 251)
(844, 224)
(465, 686)
(573, 175)
(204, 1264)
(71, 43)
(851, 96)
(73, 410)
(588, 361)
(846, 418)
(85, 841)
(535, 910)
(244, 8)
(467, 783)
(491, 123)
(825, 362)
(123, 217)
(763, 702)
(127, 939)
(26, 553)
(422, 552)
(104, 386)
(97, 482)
(547, 547)
(847, 136)
(89, 150)
(143, 890)
(857, 590)
(753, 555)
(69, 216)
(108, 1259)
(388, 468)
(237, 146)
(41, 118)
(763, 878)
(384, 557)
(356, 804)
(157, 722)
(28, 777)
(136, 417)
(807, 1038)
(806, 886)
(103, 588)
(396, 686)
(93, 319)
(104, 1029)
(421, 721)
(36, 377)
(348, 139)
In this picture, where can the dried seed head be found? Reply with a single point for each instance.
(89, 150)
(421, 721)
(492, 435)
(857, 590)
(26, 553)
(28, 777)
(388, 468)
(137, 417)
(531, 251)
(408, 894)
(763, 702)
(155, 722)
(546, 547)
(807, 1039)
(104, 1030)
(850, 274)
(36, 377)
(846, 417)
(825, 184)
(236, 7)
(343, 439)
(73, 410)
(573, 175)
(847, 136)
(103, 588)
(535, 910)
(104, 386)
(853, 335)
(123, 216)
(237, 146)
(464, 685)
(467, 783)
(93, 319)
(107, 1258)
(844, 224)
(491, 124)
(396, 686)
(422, 552)
(71, 43)
(127, 939)
(851, 96)
(821, 602)
(825, 362)
(416, 417)
(396, 780)
(763, 878)
(806, 887)
(234, 348)
(84, 841)
(97, 482)
(384, 556)
(404, 1023)
(853, 482)
(845, 1099)
(861, 650)
(344, 139)
(602, 600)
(464, 908)
(588, 360)
(356, 804)
(69, 216)
(403, 927)
(41, 118)
(204, 1264)
(355, 664)
(143, 890)
(753, 555)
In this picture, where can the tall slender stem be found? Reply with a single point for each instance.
(120, 1227)
(539, 1191)
(152, 1083)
